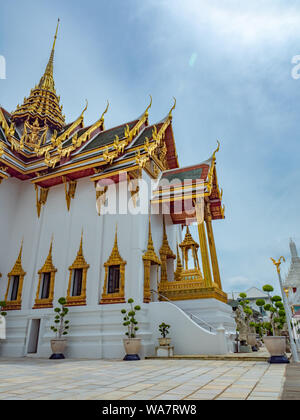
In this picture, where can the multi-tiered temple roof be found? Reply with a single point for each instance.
(36, 144)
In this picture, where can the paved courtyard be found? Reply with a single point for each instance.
(31, 378)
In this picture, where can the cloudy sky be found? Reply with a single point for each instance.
(229, 65)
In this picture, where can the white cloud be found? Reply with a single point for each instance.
(237, 283)
(249, 24)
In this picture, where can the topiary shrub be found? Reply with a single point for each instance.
(276, 310)
(61, 326)
(129, 320)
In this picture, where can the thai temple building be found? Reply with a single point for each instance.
(292, 281)
(100, 215)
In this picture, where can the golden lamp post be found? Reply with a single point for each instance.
(287, 310)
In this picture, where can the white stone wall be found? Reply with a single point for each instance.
(96, 330)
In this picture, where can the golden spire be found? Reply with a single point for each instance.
(115, 257)
(47, 81)
(150, 253)
(165, 248)
(188, 240)
(179, 268)
(17, 269)
(79, 261)
(42, 103)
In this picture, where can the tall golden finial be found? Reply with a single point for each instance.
(173, 107)
(80, 251)
(47, 81)
(19, 259)
(216, 151)
(278, 263)
(148, 107)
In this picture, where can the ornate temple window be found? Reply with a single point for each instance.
(150, 260)
(76, 294)
(114, 281)
(45, 289)
(13, 295)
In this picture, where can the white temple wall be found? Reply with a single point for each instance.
(20, 221)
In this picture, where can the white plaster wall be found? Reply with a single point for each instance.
(96, 330)
(187, 336)
(212, 311)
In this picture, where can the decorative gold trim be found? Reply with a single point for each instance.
(41, 198)
(114, 259)
(79, 263)
(70, 189)
(48, 267)
(16, 271)
(100, 196)
(278, 263)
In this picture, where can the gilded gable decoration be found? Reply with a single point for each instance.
(45, 289)
(13, 296)
(70, 189)
(114, 281)
(41, 198)
(76, 294)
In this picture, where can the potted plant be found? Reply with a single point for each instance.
(274, 342)
(132, 344)
(58, 344)
(164, 331)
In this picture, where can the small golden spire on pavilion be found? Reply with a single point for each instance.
(150, 253)
(179, 267)
(165, 248)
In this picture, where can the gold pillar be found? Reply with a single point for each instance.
(213, 253)
(204, 255)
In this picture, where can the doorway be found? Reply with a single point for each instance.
(34, 336)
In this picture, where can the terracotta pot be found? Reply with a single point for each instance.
(251, 339)
(58, 345)
(276, 345)
(132, 345)
(164, 341)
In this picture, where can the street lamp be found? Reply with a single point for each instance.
(287, 310)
